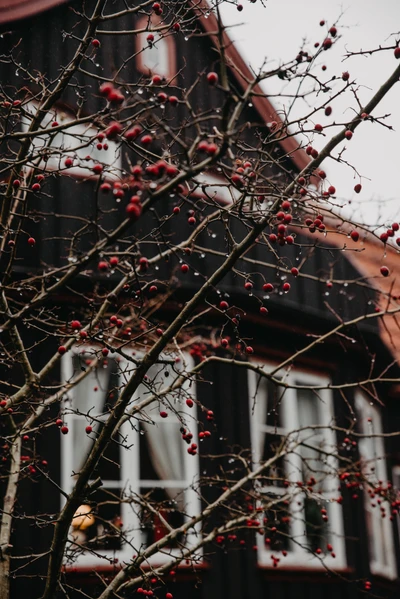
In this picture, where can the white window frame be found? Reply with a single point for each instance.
(163, 45)
(379, 530)
(76, 142)
(130, 469)
(298, 556)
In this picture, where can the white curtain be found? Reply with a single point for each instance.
(89, 396)
(165, 444)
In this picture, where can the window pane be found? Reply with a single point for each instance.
(275, 397)
(155, 58)
(277, 527)
(275, 474)
(168, 506)
(316, 528)
(314, 445)
(161, 451)
(98, 525)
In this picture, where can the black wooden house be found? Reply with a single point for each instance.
(363, 545)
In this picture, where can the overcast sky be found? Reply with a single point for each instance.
(276, 31)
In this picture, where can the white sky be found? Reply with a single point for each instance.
(277, 31)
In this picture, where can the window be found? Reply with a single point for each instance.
(148, 460)
(77, 142)
(382, 555)
(310, 518)
(156, 57)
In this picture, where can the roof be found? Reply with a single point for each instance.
(367, 256)
(13, 10)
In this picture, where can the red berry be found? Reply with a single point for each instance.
(159, 332)
(397, 53)
(248, 285)
(286, 286)
(59, 422)
(150, 38)
(212, 78)
(355, 235)
(385, 272)
(268, 287)
(113, 130)
(176, 27)
(105, 351)
(115, 97)
(114, 260)
(290, 239)
(191, 220)
(16, 183)
(133, 211)
(146, 140)
(64, 430)
(294, 271)
(223, 305)
(97, 169)
(249, 350)
(133, 133)
(88, 429)
(173, 100)
(328, 110)
(348, 134)
(105, 89)
(184, 268)
(318, 127)
(36, 187)
(333, 31)
(263, 310)
(384, 237)
(357, 188)
(105, 187)
(68, 162)
(102, 265)
(163, 414)
(31, 241)
(96, 43)
(189, 403)
(331, 190)
(327, 43)
(62, 349)
(212, 149)
(202, 146)
(76, 325)
(224, 342)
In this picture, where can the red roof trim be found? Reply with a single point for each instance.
(13, 10)
(242, 73)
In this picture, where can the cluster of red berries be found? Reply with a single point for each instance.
(315, 223)
(64, 429)
(390, 233)
(112, 94)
